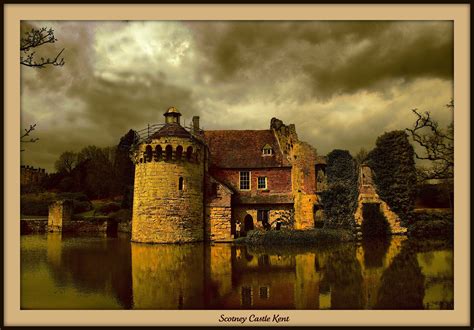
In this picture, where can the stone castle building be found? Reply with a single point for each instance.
(194, 185)
(31, 176)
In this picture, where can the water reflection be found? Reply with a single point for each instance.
(61, 272)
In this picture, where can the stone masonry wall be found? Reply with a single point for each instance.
(303, 157)
(161, 212)
(218, 211)
(59, 213)
(283, 213)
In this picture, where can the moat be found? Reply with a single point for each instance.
(69, 272)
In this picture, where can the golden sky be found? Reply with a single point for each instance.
(341, 83)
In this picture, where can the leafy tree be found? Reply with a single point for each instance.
(361, 156)
(340, 199)
(66, 162)
(437, 145)
(393, 164)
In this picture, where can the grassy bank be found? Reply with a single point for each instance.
(296, 237)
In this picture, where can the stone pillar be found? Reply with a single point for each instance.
(59, 212)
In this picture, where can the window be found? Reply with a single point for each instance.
(246, 296)
(245, 180)
(180, 183)
(169, 152)
(267, 150)
(158, 153)
(264, 292)
(189, 153)
(262, 182)
(179, 152)
(148, 153)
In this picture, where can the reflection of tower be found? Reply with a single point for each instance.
(169, 181)
(168, 276)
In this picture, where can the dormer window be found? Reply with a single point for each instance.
(267, 150)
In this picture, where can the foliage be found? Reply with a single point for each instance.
(361, 156)
(108, 208)
(437, 145)
(392, 162)
(433, 228)
(340, 199)
(295, 237)
(38, 204)
(66, 162)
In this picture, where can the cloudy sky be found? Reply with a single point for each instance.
(341, 83)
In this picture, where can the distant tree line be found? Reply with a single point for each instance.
(97, 172)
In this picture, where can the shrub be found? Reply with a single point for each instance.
(82, 206)
(36, 204)
(108, 208)
(122, 215)
(340, 199)
(392, 161)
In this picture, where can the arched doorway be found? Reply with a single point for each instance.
(248, 223)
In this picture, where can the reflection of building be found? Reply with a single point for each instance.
(192, 184)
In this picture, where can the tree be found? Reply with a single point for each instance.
(393, 163)
(23, 138)
(33, 39)
(437, 145)
(361, 156)
(66, 162)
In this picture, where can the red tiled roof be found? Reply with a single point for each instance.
(243, 149)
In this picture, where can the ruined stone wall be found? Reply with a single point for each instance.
(368, 194)
(59, 213)
(302, 157)
(161, 212)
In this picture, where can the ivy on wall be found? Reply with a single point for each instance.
(340, 199)
(393, 164)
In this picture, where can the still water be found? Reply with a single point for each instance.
(61, 272)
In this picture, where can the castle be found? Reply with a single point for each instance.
(195, 185)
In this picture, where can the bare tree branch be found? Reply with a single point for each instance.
(27, 134)
(33, 39)
(437, 145)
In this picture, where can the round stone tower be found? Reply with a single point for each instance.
(169, 185)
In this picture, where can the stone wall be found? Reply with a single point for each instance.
(368, 194)
(59, 213)
(283, 213)
(161, 212)
(85, 226)
(31, 226)
(302, 157)
(218, 211)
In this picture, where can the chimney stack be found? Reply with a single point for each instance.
(196, 124)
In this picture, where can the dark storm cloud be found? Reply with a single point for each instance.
(341, 83)
(336, 57)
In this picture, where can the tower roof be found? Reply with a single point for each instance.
(172, 111)
(171, 129)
